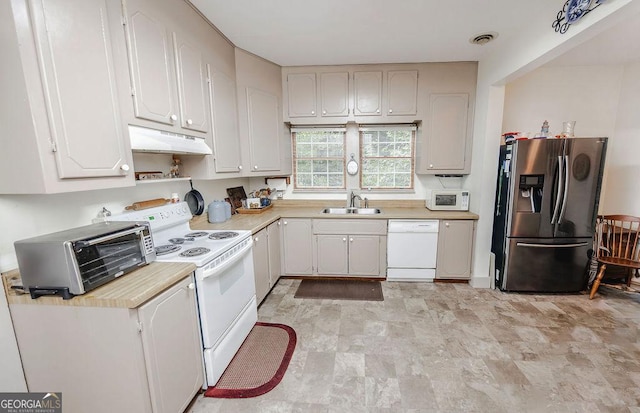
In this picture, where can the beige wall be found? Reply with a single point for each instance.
(603, 100)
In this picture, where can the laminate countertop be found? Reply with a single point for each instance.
(128, 291)
(313, 209)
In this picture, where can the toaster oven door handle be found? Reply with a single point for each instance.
(94, 241)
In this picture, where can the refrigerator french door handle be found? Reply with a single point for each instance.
(556, 208)
(576, 245)
(566, 188)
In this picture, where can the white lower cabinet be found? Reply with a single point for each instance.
(145, 359)
(266, 259)
(455, 249)
(297, 246)
(350, 247)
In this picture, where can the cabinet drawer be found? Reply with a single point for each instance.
(350, 226)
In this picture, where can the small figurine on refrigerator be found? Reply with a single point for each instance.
(544, 132)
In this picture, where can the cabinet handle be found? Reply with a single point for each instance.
(285, 222)
(350, 239)
(189, 122)
(173, 117)
(256, 239)
(191, 286)
(390, 110)
(324, 112)
(377, 110)
(313, 112)
(255, 166)
(239, 167)
(344, 239)
(446, 224)
(430, 165)
(124, 167)
(278, 223)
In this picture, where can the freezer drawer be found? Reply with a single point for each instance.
(545, 265)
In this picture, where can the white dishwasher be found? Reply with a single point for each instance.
(412, 247)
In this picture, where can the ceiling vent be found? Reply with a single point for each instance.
(483, 38)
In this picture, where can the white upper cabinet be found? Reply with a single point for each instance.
(225, 123)
(61, 72)
(168, 73)
(264, 138)
(152, 69)
(334, 94)
(264, 130)
(358, 93)
(367, 93)
(445, 134)
(402, 92)
(301, 93)
(192, 85)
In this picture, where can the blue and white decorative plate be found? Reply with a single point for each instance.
(577, 9)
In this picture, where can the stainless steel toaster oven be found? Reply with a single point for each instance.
(75, 261)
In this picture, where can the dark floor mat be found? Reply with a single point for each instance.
(363, 290)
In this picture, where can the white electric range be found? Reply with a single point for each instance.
(224, 278)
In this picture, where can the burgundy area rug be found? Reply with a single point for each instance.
(259, 364)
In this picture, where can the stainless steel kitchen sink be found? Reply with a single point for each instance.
(367, 211)
(343, 211)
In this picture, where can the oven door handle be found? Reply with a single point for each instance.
(219, 269)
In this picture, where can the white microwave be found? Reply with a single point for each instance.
(448, 200)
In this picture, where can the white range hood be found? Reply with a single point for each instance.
(151, 140)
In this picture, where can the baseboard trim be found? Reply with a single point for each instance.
(480, 282)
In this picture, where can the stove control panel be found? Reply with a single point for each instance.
(159, 217)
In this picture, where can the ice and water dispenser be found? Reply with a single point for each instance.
(530, 193)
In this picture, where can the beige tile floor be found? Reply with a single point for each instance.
(452, 348)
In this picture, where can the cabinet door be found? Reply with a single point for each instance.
(274, 237)
(446, 138)
(301, 91)
(264, 130)
(192, 85)
(367, 93)
(226, 142)
(455, 246)
(334, 94)
(364, 255)
(173, 353)
(151, 66)
(332, 253)
(261, 264)
(298, 246)
(402, 92)
(87, 131)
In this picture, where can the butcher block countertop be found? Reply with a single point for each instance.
(413, 209)
(129, 291)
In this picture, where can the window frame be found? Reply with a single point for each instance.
(342, 159)
(398, 127)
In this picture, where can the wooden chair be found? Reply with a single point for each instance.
(617, 244)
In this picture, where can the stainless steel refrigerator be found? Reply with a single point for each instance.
(546, 205)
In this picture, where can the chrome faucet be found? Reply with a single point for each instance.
(366, 202)
(352, 199)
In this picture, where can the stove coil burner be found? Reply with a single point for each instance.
(223, 235)
(194, 252)
(196, 234)
(167, 249)
(180, 240)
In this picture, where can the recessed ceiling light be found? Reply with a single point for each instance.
(483, 38)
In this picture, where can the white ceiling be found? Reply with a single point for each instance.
(331, 32)
(618, 45)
